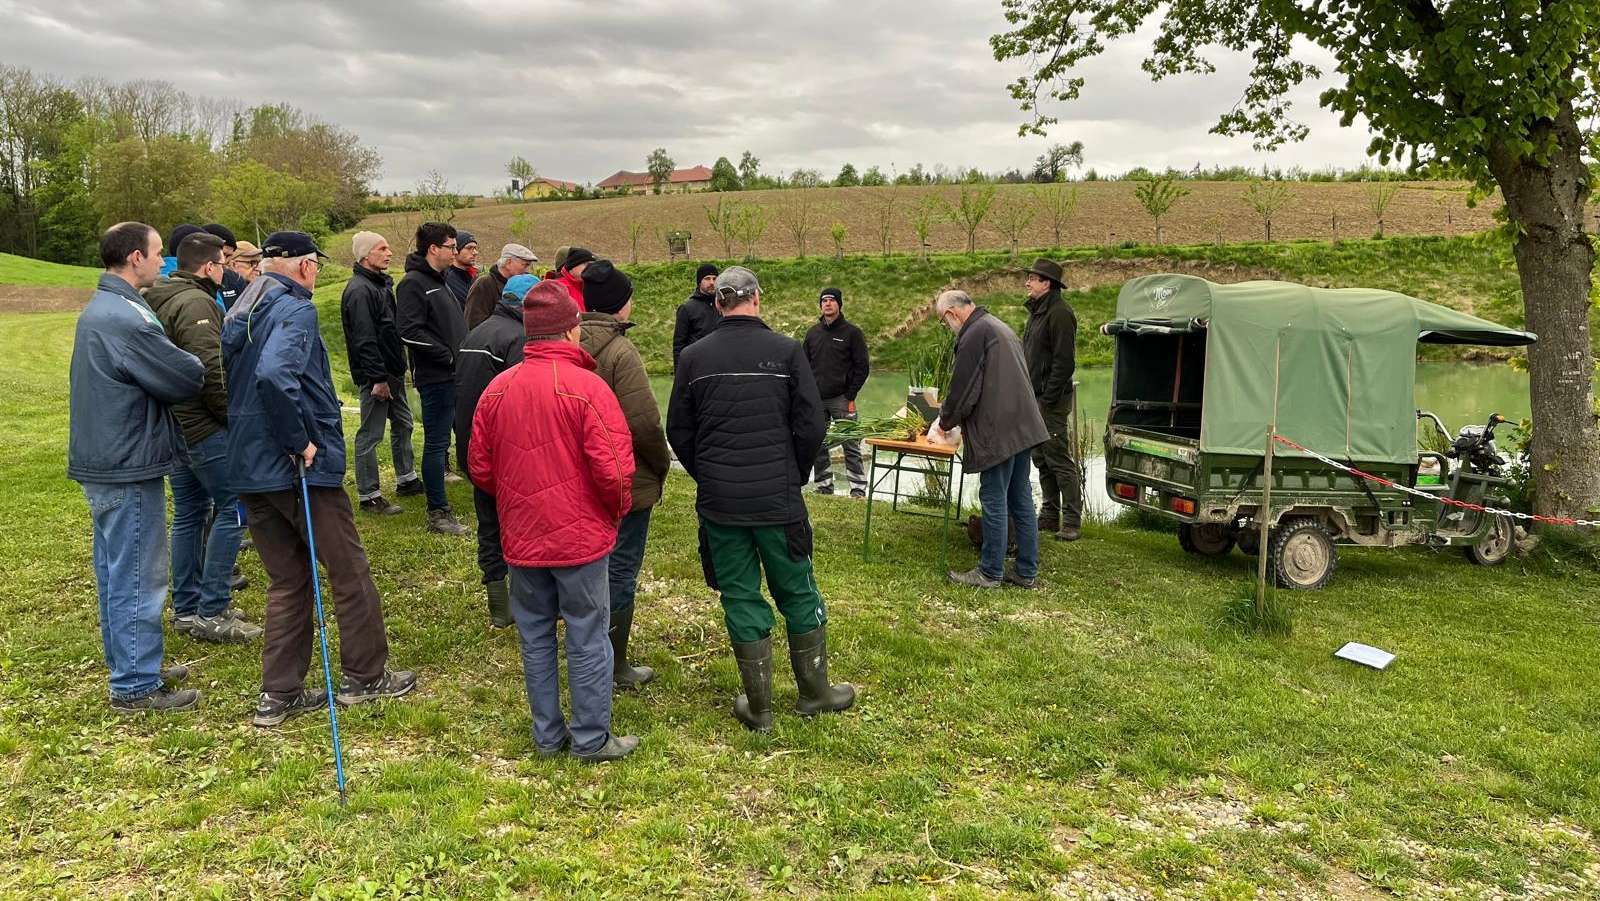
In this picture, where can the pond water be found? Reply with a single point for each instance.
(1460, 393)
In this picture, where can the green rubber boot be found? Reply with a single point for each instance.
(499, 592)
(754, 707)
(808, 654)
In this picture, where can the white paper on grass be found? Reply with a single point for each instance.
(1365, 654)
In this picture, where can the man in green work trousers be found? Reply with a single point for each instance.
(746, 423)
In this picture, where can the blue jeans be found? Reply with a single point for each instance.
(577, 595)
(202, 567)
(627, 557)
(1004, 488)
(438, 419)
(130, 574)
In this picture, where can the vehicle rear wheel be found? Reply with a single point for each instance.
(1206, 539)
(1303, 554)
(1495, 547)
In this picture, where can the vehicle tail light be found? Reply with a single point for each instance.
(1125, 491)
(1183, 506)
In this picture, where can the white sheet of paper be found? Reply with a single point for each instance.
(1365, 654)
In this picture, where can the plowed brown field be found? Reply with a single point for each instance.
(1107, 213)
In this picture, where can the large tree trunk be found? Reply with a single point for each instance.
(1555, 262)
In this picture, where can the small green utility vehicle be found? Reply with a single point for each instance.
(1202, 373)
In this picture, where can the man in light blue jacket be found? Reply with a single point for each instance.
(123, 442)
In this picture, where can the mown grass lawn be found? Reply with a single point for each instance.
(1104, 734)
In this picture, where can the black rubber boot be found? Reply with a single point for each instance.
(499, 592)
(808, 654)
(754, 707)
(622, 674)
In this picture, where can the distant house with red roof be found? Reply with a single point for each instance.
(544, 187)
(682, 181)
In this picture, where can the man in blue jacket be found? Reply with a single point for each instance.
(123, 442)
(282, 406)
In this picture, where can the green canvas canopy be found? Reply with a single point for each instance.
(1344, 359)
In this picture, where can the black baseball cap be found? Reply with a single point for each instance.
(290, 245)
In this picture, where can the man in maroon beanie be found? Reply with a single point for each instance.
(550, 443)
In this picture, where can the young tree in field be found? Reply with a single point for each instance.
(521, 171)
(1157, 195)
(435, 200)
(749, 224)
(923, 215)
(847, 177)
(1507, 95)
(1012, 217)
(635, 232)
(873, 178)
(1054, 163)
(885, 211)
(795, 216)
(1059, 202)
(969, 211)
(721, 217)
(1379, 195)
(749, 168)
(1267, 198)
(660, 167)
(838, 232)
(723, 176)
(520, 230)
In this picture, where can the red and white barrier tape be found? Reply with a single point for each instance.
(1447, 501)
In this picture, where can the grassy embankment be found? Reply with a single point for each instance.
(1103, 731)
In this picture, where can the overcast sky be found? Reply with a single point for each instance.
(583, 89)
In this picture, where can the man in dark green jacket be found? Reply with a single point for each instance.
(202, 565)
(1050, 341)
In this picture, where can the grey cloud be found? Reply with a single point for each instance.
(586, 88)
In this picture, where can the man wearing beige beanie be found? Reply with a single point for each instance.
(378, 367)
(515, 260)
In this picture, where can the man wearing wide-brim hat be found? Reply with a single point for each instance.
(1049, 340)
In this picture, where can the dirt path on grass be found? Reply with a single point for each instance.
(39, 299)
(1081, 275)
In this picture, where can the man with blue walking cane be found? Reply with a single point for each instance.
(282, 409)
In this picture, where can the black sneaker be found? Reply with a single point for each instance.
(973, 578)
(381, 506)
(239, 582)
(1014, 578)
(162, 700)
(174, 673)
(184, 625)
(224, 628)
(827, 490)
(271, 711)
(389, 685)
(413, 488)
(858, 492)
(615, 748)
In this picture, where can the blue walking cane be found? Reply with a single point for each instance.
(322, 628)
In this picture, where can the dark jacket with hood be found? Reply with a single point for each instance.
(187, 307)
(989, 395)
(1050, 340)
(371, 339)
(430, 322)
(483, 296)
(124, 379)
(460, 283)
(746, 423)
(490, 349)
(618, 362)
(837, 352)
(697, 316)
(282, 395)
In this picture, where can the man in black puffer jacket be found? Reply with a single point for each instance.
(378, 367)
(746, 422)
(698, 315)
(432, 327)
(491, 348)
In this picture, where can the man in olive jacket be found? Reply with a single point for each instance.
(378, 367)
(608, 294)
(1050, 340)
(991, 402)
(202, 564)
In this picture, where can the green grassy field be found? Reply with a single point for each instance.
(1106, 736)
(15, 270)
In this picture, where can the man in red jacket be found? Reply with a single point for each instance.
(550, 443)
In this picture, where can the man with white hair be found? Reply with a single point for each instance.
(485, 294)
(991, 401)
(283, 412)
(378, 367)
